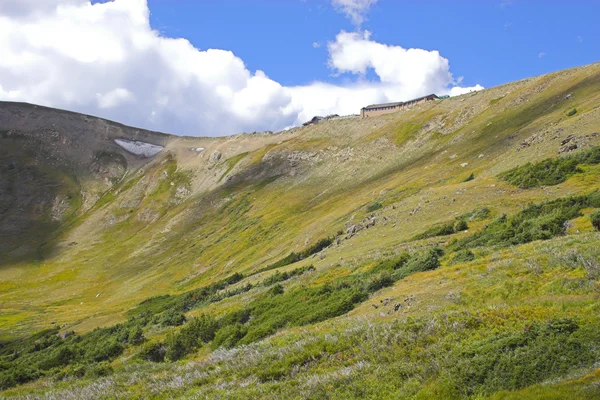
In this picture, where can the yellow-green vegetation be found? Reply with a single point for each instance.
(446, 251)
(551, 171)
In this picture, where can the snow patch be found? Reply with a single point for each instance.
(139, 148)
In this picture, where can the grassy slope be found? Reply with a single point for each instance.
(147, 239)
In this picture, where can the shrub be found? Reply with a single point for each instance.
(469, 178)
(98, 370)
(392, 264)
(595, 218)
(374, 206)
(437, 230)
(462, 256)
(172, 317)
(536, 222)
(479, 214)
(295, 257)
(284, 276)
(106, 350)
(190, 337)
(229, 336)
(275, 290)
(154, 352)
(461, 225)
(135, 336)
(379, 282)
(551, 171)
(572, 112)
(427, 261)
(514, 360)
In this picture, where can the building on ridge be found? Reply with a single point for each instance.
(386, 108)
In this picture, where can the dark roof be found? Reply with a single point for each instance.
(383, 105)
(421, 98)
(396, 104)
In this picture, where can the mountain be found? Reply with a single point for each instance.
(447, 250)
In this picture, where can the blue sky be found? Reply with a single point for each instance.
(487, 42)
(213, 68)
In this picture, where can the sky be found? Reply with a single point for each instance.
(214, 68)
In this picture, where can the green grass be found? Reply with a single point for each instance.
(381, 315)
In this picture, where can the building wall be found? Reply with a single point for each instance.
(374, 113)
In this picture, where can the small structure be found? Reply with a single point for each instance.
(386, 108)
(317, 119)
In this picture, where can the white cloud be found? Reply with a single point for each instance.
(542, 55)
(104, 59)
(355, 10)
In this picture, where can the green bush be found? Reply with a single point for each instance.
(536, 222)
(469, 178)
(515, 360)
(437, 230)
(172, 318)
(154, 352)
(572, 112)
(295, 257)
(461, 225)
(278, 308)
(426, 261)
(275, 290)
(284, 276)
(99, 370)
(374, 207)
(462, 256)
(229, 336)
(551, 171)
(191, 336)
(479, 214)
(595, 218)
(392, 264)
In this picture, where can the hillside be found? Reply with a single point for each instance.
(411, 255)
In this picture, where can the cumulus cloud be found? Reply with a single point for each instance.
(355, 10)
(105, 59)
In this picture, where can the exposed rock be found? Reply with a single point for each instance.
(64, 335)
(567, 148)
(59, 206)
(567, 140)
(215, 156)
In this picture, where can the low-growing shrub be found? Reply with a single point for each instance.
(284, 276)
(550, 171)
(469, 178)
(172, 318)
(572, 112)
(461, 225)
(448, 228)
(536, 222)
(154, 352)
(595, 218)
(299, 306)
(295, 257)
(515, 360)
(462, 256)
(374, 206)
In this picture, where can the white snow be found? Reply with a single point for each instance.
(139, 148)
(198, 149)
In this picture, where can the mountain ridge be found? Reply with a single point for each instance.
(312, 208)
